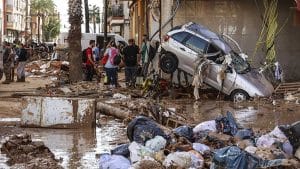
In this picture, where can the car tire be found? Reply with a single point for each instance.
(168, 63)
(239, 95)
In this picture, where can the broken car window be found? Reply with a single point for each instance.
(240, 65)
(180, 36)
(196, 44)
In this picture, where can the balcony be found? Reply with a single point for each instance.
(116, 10)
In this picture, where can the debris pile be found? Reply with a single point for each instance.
(25, 153)
(211, 144)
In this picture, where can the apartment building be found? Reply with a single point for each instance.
(14, 19)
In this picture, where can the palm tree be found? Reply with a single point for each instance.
(94, 13)
(74, 39)
(87, 17)
(40, 9)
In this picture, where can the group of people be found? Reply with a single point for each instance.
(131, 58)
(14, 54)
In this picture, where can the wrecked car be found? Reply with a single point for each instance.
(184, 45)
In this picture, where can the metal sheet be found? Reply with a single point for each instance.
(56, 112)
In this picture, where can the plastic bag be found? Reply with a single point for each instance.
(157, 143)
(234, 158)
(205, 126)
(244, 134)
(108, 161)
(178, 159)
(184, 131)
(292, 132)
(227, 125)
(121, 150)
(201, 148)
(139, 152)
(142, 129)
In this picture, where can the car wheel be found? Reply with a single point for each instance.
(239, 96)
(168, 63)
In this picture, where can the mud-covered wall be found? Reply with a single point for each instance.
(241, 19)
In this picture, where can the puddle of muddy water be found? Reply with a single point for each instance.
(78, 148)
(251, 114)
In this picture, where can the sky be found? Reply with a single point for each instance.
(62, 7)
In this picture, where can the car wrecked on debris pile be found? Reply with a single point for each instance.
(184, 45)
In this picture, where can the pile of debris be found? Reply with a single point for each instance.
(211, 144)
(25, 153)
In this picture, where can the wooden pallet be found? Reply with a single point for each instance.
(287, 88)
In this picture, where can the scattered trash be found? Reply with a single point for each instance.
(269, 139)
(148, 163)
(234, 158)
(108, 161)
(201, 148)
(142, 129)
(122, 150)
(139, 152)
(156, 144)
(184, 131)
(205, 126)
(227, 125)
(178, 159)
(244, 134)
(119, 96)
(292, 132)
(297, 154)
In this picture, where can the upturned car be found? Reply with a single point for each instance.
(183, 45)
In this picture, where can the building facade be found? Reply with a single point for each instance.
(241, 19)
(118, 18)
(14, 19)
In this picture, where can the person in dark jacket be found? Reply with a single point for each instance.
(130, 59)
(7, 61)
(22, 58)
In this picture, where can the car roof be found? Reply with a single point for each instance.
(208, 34)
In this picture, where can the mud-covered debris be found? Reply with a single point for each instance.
(20, 149)
(108, 161)
(147, 164)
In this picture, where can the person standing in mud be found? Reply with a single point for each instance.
(111, 69)
(7, 61)
(90, 64)
(130, 60)
(21, 62)
(145, 55)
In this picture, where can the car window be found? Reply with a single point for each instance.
(196, 44)
(180, 36)
(212, 49)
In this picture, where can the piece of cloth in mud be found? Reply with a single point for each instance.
(142, 129)
(201, 71)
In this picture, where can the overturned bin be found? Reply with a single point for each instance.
(58, 112)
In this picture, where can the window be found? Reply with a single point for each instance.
(196, 44)
(180, 36)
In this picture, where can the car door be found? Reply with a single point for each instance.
(195, 46)
(175, 45)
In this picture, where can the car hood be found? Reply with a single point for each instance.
(257, 84)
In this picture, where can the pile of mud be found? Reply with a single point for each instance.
(22, 151)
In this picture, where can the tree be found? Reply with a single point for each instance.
(94, 13)
(74, 39)
(51, 29)
(87, 17)
(41, 9)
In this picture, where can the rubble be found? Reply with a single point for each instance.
(22, 151)
(211, 149)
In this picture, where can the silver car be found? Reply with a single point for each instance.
(183, 45)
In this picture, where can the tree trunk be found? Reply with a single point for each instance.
(87, 16)
(115, 111)
(74, 39)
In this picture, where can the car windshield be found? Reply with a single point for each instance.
(239, 64)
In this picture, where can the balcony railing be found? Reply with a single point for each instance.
(116, 10)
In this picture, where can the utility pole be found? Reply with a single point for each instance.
(86, 12)
(105, 22)
(26, 22)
